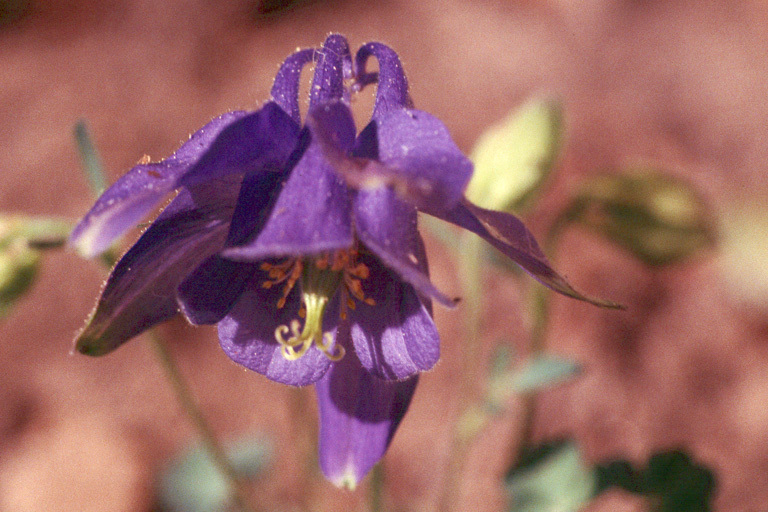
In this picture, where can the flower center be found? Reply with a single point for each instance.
(320, 278)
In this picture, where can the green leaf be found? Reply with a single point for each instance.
(553, 480)
(94, 171)
(672, 481)
(193, 483)
(681, 484)
(513, 158)
(544, 372)
(618, 473)
(742, 254)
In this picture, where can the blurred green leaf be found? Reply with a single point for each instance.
(544, 372)
(551, 479)
(743, 257)
(537, 374)
(680, 484)
(193, 483)
(672, 482)
(618, 473)
(513, 158)
(18, 269)
(94, 171)
(659, 218)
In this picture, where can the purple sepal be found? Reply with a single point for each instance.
(395, 338)
(236, 142)
(428, 170)
(136, 193)
(509, 235)
(387, 227)
(209, 292)
(416, 156)
(311, 215)
(141, 290)
(260, 141)
(359, 415)
(247, 335)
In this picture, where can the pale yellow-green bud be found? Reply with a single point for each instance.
(513, 158)
(659, 218)
(743, 255)
(20, 239)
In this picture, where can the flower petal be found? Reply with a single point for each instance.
(285, 89)
(134, 195)
(387, 227)
(416, 147)
(414, 155)
(359, 415)
(141, 290)
(262, 140)
(235, 142)
(392, 88)
(247, 335)
(209, 292)
(396, 337)
(334, 64)
(510, 236)
(311, 215)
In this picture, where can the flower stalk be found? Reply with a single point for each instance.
(189, 405)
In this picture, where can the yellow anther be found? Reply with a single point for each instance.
(321, 277)
(288, 271)
(360, 271)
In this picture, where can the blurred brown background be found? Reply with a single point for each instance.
(678, 84)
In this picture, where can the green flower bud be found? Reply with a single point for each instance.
(20, 239)
(513, 158)
(659, 218)
(743, 258)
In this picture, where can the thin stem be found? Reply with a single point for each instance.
(538, 345)
(210, 442)
(462, 437)
(302, 426)
(377, 488)
(94, 171)
(540, 306)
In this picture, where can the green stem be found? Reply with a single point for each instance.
(540, 306)
(377, 488)
(471, 275)
(94, 171)
(210, 442)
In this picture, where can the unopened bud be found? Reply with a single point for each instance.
(659, 218)
(20, 239)
(513, 158)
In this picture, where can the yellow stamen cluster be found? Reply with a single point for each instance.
(353, 277)
(301, 340)
(320, 278)
(288, 271)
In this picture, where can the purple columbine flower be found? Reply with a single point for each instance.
(301, 244)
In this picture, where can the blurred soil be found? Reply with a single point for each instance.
(679, 84)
